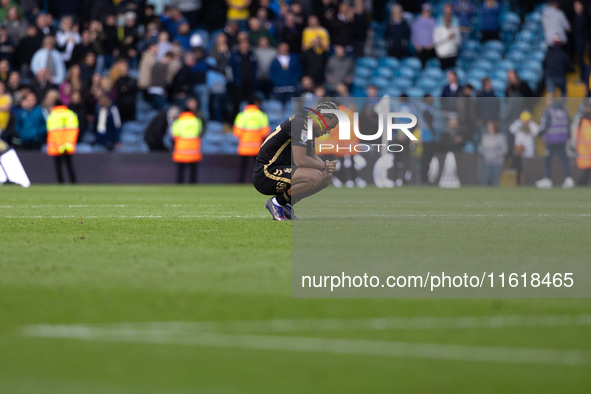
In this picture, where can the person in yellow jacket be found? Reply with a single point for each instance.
(251, 127)
(62, 135)
(186, 132)
(583, 140)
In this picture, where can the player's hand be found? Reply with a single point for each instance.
(331, 166)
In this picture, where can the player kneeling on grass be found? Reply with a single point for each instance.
(287, 166)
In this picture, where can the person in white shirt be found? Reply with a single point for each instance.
(524, 131)
(555, 24)
(447, 41)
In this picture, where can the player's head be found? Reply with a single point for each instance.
(331, 120)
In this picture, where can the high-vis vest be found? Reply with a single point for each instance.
(583, 138)
(62, 131)
(251, 127)
(330, 144)
(187, 144)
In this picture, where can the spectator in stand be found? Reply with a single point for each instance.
(159, 83)
(448, 11)
(315, 30)
(464, 10)
(451, 139)
(447, 41)
(49, 58)
(30, 124)
(397, 34)
(67, 38)
(130, 39)
(493, 148)
(314, 61)
(555, 127)
(452, 89)
(466, 112)
(238, 11)
(524, 130)
(184, 80)
(581, 36)
(72, 83)
(81, 49)
(555, 24)
(361, 19)
(487, 104)
(108, 123)
(257, 30)
(339, 68)
(126, 91)
(4, 70)
(422, 34)
(490, 14)
(164, 45)
(24, 51)
(147, 62)
(220, 51)
(429, 136)
(16, 26)
(285, 73)
(42, 84)
(291, 33)
(556, 65)
(159, 127)
(109, 40)
(77, 106)
(516, 87)
(44, 27)
(190, 9)
(88, 67)
(13, 84)
(340, 25)
(200, 89)
(265, 55)
(216, 85)
(6, 103)
(243, 64)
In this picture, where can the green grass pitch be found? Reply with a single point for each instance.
(156, 289)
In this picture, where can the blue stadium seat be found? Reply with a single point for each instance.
(476, 83)
(428, 85)
(415, 92)
(381, 83)
(516, 57)
(402, 84)
(412, 62)
(477, 74)
(471, 45)
(500, 74)
(512, 17)
(384, 72)
(390, 62)
(532, 65)
(493, 45)
(527, 36)
(521, 46)
(214, 128)
(393, 92)
(531, 77)
(363, 72)
(369, 62)
(499, 84)
(493, 56)
(433, 63)
(432, 72)
(407, 73)
(537, 56)
(272, 106)
(483, 65)
(505, 65)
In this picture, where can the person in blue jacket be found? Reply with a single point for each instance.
(285, 73)
(30, 123)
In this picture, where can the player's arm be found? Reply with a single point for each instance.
(301, 159)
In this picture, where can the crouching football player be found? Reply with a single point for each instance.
(287, 166)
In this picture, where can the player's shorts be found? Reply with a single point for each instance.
(272, 180)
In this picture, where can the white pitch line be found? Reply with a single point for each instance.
(431, 351)
(368, 324)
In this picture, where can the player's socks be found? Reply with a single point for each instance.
(282, 199)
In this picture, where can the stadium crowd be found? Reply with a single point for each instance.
(132, 66)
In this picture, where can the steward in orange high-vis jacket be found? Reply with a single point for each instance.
(187, 145)
(62, 135)
(251, 127)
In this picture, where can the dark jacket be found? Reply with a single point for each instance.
(244, 69)
(557, 62)
(314, 65)
(156, 131)
(285, 77)
(397, 38)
